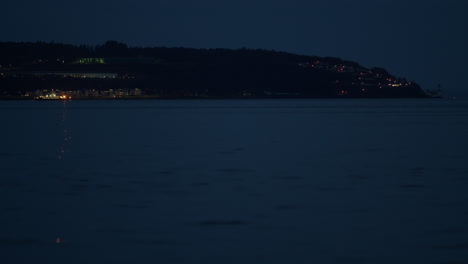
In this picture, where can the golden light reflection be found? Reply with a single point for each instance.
(66, 138)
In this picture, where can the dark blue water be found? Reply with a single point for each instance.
(234, 181)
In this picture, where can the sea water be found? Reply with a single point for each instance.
(234, 181)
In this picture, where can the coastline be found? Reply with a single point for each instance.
(137, 98)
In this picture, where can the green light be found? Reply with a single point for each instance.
(90, 61)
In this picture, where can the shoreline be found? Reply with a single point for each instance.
(137, 98)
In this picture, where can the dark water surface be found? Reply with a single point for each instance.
(234, 181)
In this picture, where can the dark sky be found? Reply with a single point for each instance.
(424, 41)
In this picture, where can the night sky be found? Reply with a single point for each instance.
(424, 41)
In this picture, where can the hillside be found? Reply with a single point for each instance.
(115, 70)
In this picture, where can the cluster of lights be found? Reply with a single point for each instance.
(54, 96)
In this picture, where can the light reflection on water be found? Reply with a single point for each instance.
(64, 145)
(257, 181)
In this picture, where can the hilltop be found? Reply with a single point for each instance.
(115, 70)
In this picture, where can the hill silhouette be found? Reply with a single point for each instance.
(31, 68)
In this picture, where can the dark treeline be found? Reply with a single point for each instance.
(186, 72)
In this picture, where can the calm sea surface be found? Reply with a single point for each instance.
(234, 181)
